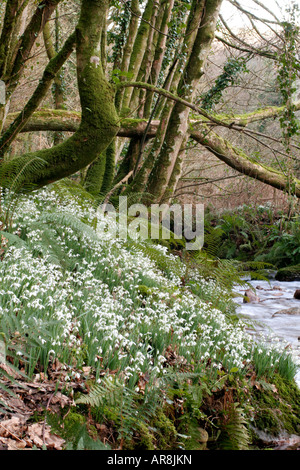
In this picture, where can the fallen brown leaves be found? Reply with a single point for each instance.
(174, 359)
(22, 401)
(3, 245)
(16, 435)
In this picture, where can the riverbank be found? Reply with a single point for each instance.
(269, 316)
(122, 345)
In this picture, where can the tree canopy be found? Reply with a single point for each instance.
(140, 70)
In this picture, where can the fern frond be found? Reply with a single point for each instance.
(162, 260)
(129, 408)
(212, 241)
(234, 435)
(23, 168)
(60, 219)
(68, 189)
(14, 240)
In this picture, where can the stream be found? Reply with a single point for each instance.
(273, 296)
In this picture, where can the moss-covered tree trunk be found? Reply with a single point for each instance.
(69, 121)
(239, 160)
(44, 85)
(137, 55)
(166, 170)
(159, 53)
(15, 49)
(156, 150)
(52, 48)
(153, 54)
(99, 121)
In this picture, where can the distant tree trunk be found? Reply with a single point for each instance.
(43, 87)
(52, 48)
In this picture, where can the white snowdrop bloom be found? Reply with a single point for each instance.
(122, 356)
(98, 303)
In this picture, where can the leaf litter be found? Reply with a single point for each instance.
(22, 401)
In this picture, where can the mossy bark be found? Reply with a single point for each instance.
(137, 54)
(100, 174)
(14, 52)
(7, 32)
(52, 48)
(48, 120)
(132, 32)
(238, 160)
(142, 175)
(40, 17)
(99, 122)
(138, 96)
(202, 27)
(69, 121)
(110, 164)
(39, 120)
(159, 53)
(157, 151)
(129, 161)
(49, 75)
(94, 175)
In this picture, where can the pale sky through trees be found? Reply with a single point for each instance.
(278, 7)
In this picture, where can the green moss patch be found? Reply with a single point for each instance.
(291, 273)
(277, 410)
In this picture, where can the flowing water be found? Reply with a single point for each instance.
(273, 297)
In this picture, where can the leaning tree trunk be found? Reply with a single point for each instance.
(69, 121)
(151, 165)
(14, 52)
(99, 121)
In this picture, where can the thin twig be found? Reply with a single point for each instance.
(11, 433)
(44, 424)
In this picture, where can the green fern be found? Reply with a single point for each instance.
(63, 219)
(86, 442)
(14, 240)
(169, 265)
(49, 226)
(212, 241)
(226, 273)
(234, 434)
(128, 409)
(73, 430)
(15, 185)
(69, 190)
(24, 167)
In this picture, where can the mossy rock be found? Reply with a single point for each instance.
(278, 410)
(257, 266)
(263, 275)
(144, 291)
(166, 434)
(288, 274)
(159, 434)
